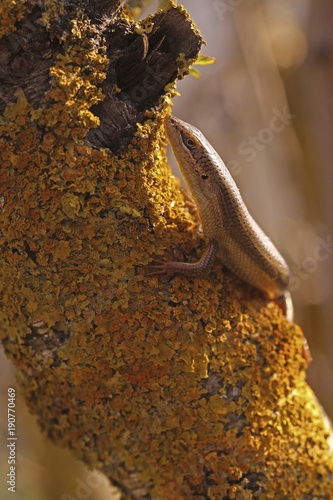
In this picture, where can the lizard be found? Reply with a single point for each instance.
(232, 235)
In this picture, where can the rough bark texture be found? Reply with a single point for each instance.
(181, 389)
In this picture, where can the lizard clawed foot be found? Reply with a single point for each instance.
(162, 268)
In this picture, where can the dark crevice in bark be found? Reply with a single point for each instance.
(141, 64)
(140, 67)
(100, 8)
(26, 56)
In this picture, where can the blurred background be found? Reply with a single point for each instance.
(265, 105)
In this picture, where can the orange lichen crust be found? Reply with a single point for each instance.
(188, 388)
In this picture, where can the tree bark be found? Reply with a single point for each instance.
(191, 388)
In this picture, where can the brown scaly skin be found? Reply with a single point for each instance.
(232, 234)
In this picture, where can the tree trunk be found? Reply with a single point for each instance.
(192, 388)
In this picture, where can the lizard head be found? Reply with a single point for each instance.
(201, 166)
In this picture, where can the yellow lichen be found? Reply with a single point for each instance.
(193, 384)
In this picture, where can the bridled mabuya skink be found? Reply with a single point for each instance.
(232, 235)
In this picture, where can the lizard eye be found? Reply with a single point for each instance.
(204, 177)
(188, 142)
